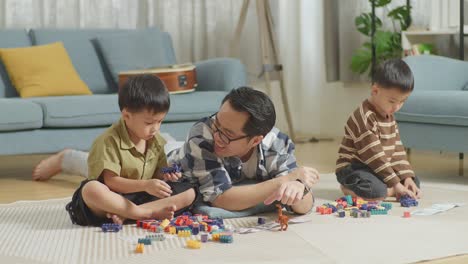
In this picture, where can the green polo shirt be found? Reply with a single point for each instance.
(114, 151)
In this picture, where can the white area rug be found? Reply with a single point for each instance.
(41, 232)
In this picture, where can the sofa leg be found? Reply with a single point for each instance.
(460, 163)
(408, 154)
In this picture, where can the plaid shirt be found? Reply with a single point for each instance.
(215, 175)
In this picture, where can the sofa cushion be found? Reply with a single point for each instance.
(80, 45)
(81, 51)
(193, 106)
(436, 107)
(103, 109)
(44, 70)
(13, 38)
(133, 50)
(18, 114)
(79, 111)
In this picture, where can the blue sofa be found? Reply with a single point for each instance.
(435, 116)
(49, 124)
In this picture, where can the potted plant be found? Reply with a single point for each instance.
(387, 42)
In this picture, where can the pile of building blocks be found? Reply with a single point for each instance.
(407, 201)
(187, 225)
(175, 168)
(111, 227)
(355, 207)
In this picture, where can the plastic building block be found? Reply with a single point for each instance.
(378, 212)
(175, 168)
(341, 213)
(145, 241)
(172, 230)
(226, 238)
(165, 223)
(156, 237)
(215, 237)
(140, 248)
(111, 227)
(261, 221)
(204, 237)
(193, 244)
(387, 206)
(407, 201)
(184, 233)
(406, 214)
(195, 230)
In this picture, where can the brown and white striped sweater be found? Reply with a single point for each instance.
(375, 141)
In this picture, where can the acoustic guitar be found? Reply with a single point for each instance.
(179, 78)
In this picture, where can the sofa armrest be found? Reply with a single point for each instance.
(436, 73)
(220, 74)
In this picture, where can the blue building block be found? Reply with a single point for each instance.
(407, 201)
(173, 169)
(111, 227)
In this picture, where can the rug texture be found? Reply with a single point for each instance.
(41, 232)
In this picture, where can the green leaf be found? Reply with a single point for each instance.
(380, 3)
(361, 60)
(401, 14)
(364, 23)
(388, 44)
(383, 41)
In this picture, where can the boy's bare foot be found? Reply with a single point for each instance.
(49, 167)
(349, 192)
(116, 218)
(165, 213)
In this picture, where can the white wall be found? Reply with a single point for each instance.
(337, 101)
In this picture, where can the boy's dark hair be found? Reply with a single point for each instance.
(394, 73)
(262, 115)
(144, 92)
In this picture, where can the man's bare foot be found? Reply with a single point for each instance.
(116, 218)
(49, 167)
(164, 213)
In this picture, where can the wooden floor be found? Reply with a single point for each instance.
(16, 184)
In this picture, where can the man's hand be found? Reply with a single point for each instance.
(288, 193)
(401, 190)
(411, 185)
(309, 176)
(158, 188)
(173, 177)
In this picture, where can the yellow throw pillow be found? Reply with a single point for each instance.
(42, 71)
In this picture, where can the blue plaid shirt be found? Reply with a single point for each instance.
(215, 175)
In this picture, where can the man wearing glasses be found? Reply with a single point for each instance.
(240, 143)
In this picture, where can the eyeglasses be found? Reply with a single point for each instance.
(224, 138)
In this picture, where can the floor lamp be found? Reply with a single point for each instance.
(271, 67)
(270, 64)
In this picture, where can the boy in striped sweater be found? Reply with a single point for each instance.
(372, 161)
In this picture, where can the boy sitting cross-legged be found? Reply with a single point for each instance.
(372, 161)
(124, 164)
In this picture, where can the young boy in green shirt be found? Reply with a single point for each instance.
(125, 179)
